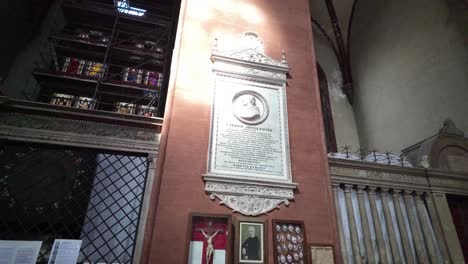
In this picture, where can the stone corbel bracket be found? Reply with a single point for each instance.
(251, 195)
(248, 197)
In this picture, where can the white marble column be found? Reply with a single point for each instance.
(437, 228)
(352, 224)
(431, 247)
(448, 228)
(409, 257)
(339, 218)
(365, 225)
(415, 230)
(391, 231)
(377, 226)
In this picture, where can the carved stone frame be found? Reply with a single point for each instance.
(250, 194)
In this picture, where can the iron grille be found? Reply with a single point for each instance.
(55, 192)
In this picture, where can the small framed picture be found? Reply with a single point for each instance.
(321, 253)
(250, 241)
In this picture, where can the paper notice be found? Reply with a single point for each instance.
(219, 257)
(19, 252)
(196, 252)
(65, 251)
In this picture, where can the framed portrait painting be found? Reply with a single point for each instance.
(250, 241)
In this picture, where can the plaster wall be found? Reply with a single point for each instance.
(26, 47)
(343, 114)
(343, 8)
(410, 69)
(283, 25)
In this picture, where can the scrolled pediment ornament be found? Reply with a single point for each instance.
(251, 55)
(249, 204)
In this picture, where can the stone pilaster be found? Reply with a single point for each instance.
(409, 257)
(415, 230)
(431, 248)
(352, 224)
(344, 252)
(365, 225)
(377, 226)
(391, 230)
(448, 228)
(437, 228)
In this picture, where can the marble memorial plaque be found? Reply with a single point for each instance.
(248, 132)
(249, 166)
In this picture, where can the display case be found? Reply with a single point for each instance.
(290, 242)
(209, 239)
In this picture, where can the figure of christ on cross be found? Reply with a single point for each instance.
(209, 244)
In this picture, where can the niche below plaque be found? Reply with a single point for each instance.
(209, 239)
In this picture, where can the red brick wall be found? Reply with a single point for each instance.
(283, 25)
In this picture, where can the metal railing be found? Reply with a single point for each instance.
(373, 155)
(57, 192)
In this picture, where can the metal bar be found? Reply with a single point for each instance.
(109, 76)
(105, 56)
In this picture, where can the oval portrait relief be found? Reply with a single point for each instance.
(250, 107)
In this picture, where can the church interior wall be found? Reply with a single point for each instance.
(342, 111)
(282, 26)
(409, 62)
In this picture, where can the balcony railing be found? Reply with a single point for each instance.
(56, 124)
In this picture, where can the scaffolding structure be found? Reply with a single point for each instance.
(110, 55)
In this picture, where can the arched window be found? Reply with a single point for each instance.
(326, 110)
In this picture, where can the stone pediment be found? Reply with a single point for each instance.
(447, 150)
(249, 59)
(253, 56)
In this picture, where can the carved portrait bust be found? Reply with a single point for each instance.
(250, 107)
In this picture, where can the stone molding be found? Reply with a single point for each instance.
(399, 178)
(49, 129)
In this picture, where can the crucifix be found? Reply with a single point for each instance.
(209, 233)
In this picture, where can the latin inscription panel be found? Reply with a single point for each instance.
(248, 130)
